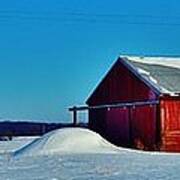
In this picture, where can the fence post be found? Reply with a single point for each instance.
(74, 116)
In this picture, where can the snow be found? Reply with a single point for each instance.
(142, 71)
(161, 72)
(16, 143)
(147, 75)
(164, 61)
(67, 140)
(125, 164)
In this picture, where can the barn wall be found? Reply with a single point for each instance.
(121, 85)
(127, 126)
(170, 124)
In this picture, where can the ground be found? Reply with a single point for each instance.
(124, 164)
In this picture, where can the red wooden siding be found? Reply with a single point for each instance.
(120, 85)
(143, 127)
(170, 124)
(117, 126)
(131, 126)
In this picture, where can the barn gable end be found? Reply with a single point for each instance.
(122, 84)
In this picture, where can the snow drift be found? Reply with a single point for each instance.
(67, 141)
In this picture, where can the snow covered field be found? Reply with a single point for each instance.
(16, 143)
(82, 154)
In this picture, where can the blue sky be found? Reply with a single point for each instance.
(51, 58)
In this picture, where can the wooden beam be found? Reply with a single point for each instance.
(118, 105)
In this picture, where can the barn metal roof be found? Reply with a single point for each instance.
(161, 72)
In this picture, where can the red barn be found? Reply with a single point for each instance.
(137, 104)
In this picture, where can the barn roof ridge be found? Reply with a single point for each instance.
(169, 61)
(150, 55)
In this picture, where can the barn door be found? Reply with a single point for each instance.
(143, 127)
(117, 121)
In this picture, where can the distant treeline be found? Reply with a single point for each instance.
(10, 129)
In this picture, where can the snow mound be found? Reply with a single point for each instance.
(67, 141)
